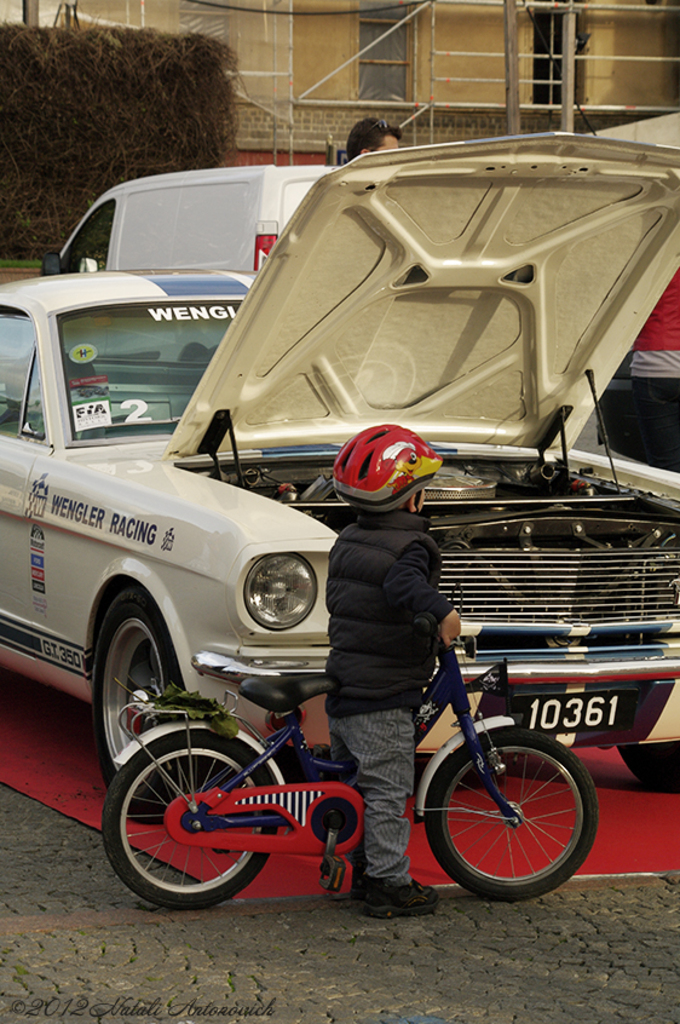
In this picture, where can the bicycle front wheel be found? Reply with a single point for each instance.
(141, 852)
(476, 848)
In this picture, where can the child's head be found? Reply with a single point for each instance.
(384, 468)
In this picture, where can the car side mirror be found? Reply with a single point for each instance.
(51, 264)
(88, 265)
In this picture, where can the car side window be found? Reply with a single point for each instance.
(17, 345)
(92, 241)
(34, 416)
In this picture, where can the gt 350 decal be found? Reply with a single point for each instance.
(37, 644)
(62, 654)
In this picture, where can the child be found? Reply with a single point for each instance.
(383, 570)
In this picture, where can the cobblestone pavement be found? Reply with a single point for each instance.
(75, 944)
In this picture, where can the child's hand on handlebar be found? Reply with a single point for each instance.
(449, 628)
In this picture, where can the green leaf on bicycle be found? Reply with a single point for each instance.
(195, 706)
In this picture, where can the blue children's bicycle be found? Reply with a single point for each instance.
(191, 818)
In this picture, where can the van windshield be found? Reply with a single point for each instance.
(131, 369)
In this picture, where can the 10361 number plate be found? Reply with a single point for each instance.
(591, 711)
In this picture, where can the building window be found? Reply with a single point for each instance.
(383, 70)
(548, 48)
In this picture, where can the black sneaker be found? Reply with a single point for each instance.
(399, 900)
(358, 888)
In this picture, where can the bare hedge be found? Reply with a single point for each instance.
(81, 111)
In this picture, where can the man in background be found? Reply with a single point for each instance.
(370, 135)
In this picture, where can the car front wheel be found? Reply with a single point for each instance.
(133, 651)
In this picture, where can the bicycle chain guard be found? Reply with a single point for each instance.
(238, 820)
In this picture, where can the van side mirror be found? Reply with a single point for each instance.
(51, 264)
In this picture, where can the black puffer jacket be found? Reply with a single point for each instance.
(376, 656)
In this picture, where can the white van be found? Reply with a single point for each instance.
(227, 218)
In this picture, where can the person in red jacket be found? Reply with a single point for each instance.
(655, 379)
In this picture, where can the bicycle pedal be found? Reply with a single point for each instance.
(332, 873)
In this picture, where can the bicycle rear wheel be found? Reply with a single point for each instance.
(474, 845)
(141, 852)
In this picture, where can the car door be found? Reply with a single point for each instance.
(22, 438)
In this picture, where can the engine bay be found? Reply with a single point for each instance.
(529, 547)
(514, 504)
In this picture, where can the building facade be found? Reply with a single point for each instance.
(308, 69)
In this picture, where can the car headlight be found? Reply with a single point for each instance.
(280, 591)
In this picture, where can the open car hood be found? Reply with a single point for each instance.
(461, 290)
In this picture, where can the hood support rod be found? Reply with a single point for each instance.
(601, 427)
(221, 424)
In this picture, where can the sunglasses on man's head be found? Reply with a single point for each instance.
(382, 123)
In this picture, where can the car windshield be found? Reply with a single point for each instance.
(132, 369)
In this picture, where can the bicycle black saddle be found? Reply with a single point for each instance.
(284, 695)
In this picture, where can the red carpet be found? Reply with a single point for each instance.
(48, 754)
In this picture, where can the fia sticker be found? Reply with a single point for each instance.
(88, 415)
(90, 402)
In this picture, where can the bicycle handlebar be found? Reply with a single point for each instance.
(425, 624)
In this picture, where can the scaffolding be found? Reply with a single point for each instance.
(543, 60)
(504, 56)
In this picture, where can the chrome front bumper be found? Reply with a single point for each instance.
(581, 671)
(235, 670)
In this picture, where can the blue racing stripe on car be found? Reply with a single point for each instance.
(42, 646)
(19, 638)
(581, 653)
(198, 284)
(302, 449)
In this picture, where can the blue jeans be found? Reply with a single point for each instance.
(382, 743)
(657, 406)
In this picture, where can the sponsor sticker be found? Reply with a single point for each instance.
(37, 559)
(37, 498)
(90, 402)
(83, 354)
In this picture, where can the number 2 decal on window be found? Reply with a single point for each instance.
(139, 408)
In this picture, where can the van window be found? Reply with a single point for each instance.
(92, 241)
(207, 226)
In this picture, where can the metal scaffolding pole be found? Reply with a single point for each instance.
(511, 67)
(568, 69)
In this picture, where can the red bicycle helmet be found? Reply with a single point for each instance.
(377, 470)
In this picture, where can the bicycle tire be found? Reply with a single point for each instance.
(472, 843)
(137, 845)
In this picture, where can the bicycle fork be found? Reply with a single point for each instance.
(511, 813)
(461, 705)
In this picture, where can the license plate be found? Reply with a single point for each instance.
(592, 711)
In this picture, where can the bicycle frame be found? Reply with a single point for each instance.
(294, 818)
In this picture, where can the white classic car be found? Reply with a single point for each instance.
(482, 294)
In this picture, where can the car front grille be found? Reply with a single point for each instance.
(547, 587)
